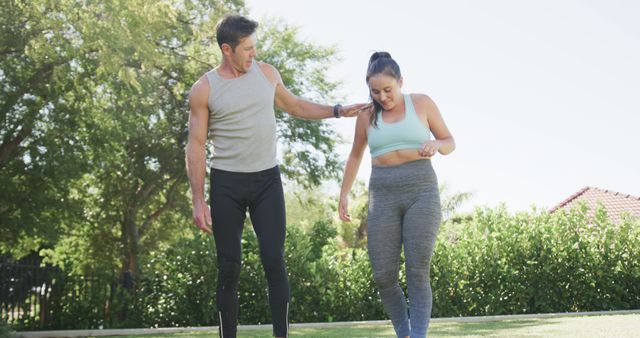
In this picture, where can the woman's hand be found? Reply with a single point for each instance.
(343, 209)
(430, 148)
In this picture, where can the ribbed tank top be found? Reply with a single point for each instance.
(242, 121)
(408, 133)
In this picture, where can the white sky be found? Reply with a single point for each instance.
(542, 97)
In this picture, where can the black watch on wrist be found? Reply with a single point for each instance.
(336, 110)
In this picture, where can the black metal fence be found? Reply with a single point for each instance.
(34, 297)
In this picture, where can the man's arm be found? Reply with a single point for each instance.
(196, 152)
(300, 107)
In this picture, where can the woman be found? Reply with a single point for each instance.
(404, 203)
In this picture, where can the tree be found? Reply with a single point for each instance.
(39, 113)
(451, 202)
(309, 155)
(95, 106)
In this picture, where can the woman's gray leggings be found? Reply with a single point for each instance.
(404, 209)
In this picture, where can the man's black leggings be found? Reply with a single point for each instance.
(232, 193)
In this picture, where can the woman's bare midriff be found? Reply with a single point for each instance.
(397, 157)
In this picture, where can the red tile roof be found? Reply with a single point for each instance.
(614, 202)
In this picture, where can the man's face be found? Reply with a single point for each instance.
(242, 56)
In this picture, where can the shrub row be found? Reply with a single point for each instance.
(489, 263)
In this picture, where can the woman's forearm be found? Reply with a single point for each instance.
(447, 145)
(350, 172)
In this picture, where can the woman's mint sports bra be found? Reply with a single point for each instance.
(408, 133)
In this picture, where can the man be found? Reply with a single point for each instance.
(234, 103)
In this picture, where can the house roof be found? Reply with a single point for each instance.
(614, 202)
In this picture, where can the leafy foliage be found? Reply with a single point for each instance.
(308, 147)
(93, 124)
(180, 289)
(537, 262)
(5, 329)
(497, 263)
(93, 103)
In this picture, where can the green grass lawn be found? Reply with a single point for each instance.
(588, 326)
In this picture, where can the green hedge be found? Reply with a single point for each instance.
(5, 330)
(489, 263)
(327, 283)
(497, 263)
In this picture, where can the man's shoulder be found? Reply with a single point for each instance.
(201, 87)
(269, 71)
(265, 66)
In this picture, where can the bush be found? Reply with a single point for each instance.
(537, 262)
(179, 288)
(489, 263)
(5, 329)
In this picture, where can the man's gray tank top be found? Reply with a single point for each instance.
(242, 122)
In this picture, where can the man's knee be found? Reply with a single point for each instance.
(229, 273)
(274, 265)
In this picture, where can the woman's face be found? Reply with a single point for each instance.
(385, 90)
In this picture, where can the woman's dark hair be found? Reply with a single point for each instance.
(232, 28)
(380, 63)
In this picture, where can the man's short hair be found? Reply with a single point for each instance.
(232, 28)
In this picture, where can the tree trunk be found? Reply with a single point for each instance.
(130, 243)
(130, 268)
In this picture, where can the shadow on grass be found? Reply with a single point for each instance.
(480, 328)
(170, 335)
(494, 328)
(356, 331)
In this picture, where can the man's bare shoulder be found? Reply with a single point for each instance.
(270, 72)
(201, 87)
(266, 67)
(199, 94)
